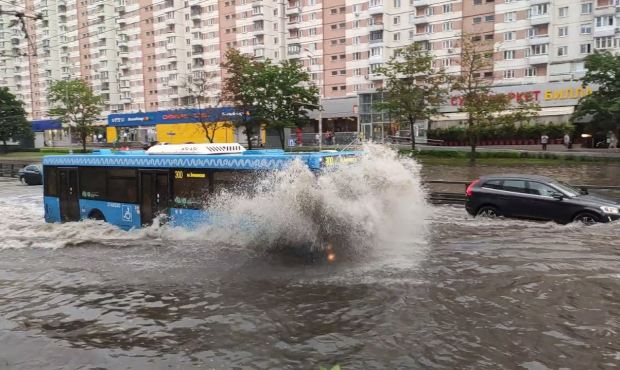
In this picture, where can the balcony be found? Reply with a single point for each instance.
(375, 27)
(422, 19)
(604, 10)
(375, 9)
(539, 19)
(126, 99)
(538, 39)
(427, 2)
(538, 59)
(375, 76)
(293, 10)
(375, 59)
(292, 25)
(603, 31)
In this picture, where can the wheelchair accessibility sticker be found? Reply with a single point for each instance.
(126, 212)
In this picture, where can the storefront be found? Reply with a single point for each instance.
(175, 126)
(50, 132)
(557, 101)
(377, 126)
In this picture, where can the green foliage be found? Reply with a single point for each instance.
(483, 107)
(603, 105)
(237, 90)
(13, 122)
(281, 95)
(503, 132)
(414, 89)
(75, 104)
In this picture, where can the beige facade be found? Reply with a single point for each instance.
(139, 53)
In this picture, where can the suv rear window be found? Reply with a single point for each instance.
(493, 184)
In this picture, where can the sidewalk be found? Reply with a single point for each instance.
(555, 149)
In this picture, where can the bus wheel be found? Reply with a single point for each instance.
(96, 214)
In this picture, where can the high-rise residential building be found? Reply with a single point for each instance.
(139, 54)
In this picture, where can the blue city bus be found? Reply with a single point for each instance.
(131, 189)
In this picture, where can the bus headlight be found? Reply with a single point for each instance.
(611, 210)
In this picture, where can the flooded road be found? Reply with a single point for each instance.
(464, 293)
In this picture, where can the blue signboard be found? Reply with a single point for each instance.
(172, 116)
(46, 124)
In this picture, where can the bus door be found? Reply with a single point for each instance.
(154, 195)
(69, 203)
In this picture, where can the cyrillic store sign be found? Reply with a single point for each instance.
(172, 116)
(546, 95)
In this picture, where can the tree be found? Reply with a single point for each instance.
(198, 87)
(414, 89)
(603, 105)
(75, 104)
(238, 91)
(281, 95)
(13, 122)
(481, 105)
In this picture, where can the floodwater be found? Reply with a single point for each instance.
(421, 287)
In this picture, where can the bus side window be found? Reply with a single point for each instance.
(190, 188)
(123, 185)
(234, 181)
(51, 181)
(93, 182)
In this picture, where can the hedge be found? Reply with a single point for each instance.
(503, 132)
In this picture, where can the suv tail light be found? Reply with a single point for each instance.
(470, 187)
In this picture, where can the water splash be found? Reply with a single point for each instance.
(380, 199)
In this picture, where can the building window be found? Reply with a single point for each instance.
(509, 73)
(396, 20)
(489, 18)
(586, 8)
(510, 36)
(447, 26)
(397, 36)
(531, 72)
(603, 42)
(477, 2)
(539, 49)
(509, 54)
(563, 12)
(540, 9)
(604, 21)
(562, 51)
(376, 52)
(585, 48)
(586, 29)
(510, 17)
(563, 31)
(447, 8)
(477, 20)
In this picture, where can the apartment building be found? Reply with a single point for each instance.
(139, 54)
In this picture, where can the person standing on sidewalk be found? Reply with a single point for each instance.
(567, 141)
(544, 139)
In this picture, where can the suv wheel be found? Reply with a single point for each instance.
(586, 218)
(488, 211)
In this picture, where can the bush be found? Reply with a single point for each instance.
(525, 131)
(63, 150)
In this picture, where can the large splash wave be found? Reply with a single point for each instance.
(380, 199)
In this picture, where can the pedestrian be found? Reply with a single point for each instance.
(299, 136)
(317, 139)
(125, 136)
(544, 139)
(567, 141)
(613, 141)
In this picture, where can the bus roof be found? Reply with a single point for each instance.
(266, 159)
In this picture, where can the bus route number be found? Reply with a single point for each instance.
(178, 174)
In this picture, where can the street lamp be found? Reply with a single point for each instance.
(319, 106)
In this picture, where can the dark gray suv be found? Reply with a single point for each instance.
(537, 197)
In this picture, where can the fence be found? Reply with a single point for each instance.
(310, 138)
(11, 168)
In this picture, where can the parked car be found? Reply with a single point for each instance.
(538, 198)
(31, 174)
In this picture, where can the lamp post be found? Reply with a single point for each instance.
(319, 106)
